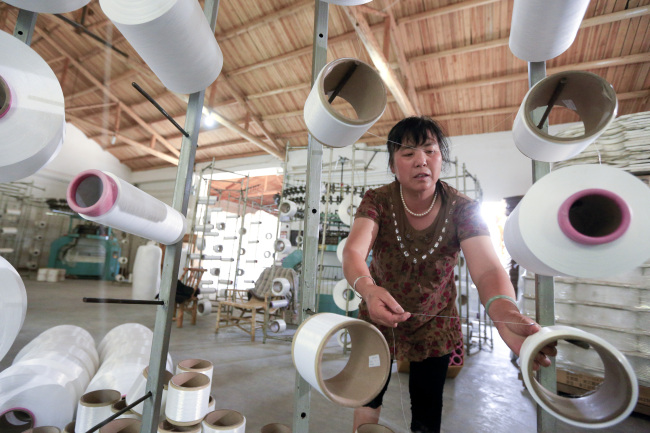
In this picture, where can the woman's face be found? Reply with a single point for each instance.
(418, 168)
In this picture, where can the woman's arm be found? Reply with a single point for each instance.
(382, 307)
(492, 280)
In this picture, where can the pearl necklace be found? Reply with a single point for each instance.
(435, 196)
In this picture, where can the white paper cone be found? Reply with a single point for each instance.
(341, 291)
(348, 207)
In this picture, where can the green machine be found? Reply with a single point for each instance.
(89, 250)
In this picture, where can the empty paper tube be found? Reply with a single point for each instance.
(606, 406)
(173, 37)
(105, 198)
(366, 371)
(357, 83)
(592, 98)
(544, 29)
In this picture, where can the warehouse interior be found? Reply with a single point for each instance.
(234, 167)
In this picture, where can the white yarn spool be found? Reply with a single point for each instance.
(345, 297)
(275, 428)
(366, 371)
(6, 251)
(207, 200)
(45, 398)
(105, 198)
(584, 221)
(606, 406)
(278, 325)
(186, 62)
(32, 265)
(39, 237)
(204, 307)
(282, 245)
(30, 95)
(35, 252)
(119, 278)
(13, 212)
(215, 271)
(364, 90)
(287, 210)
(373, 428)
(591, 97)
(227, 282)
(281, 287)
(217, 248)
(240, 272)
(8, 230)
(200, 243)
(167, 427)
(76, 377)
(40, 224)
(146, 272)
(339, 249)
(544, 29)
(203, 227)
(348, 208)
(187, 398)
(124, 425)
(221, 226)
(279, 303)
(123, 260)
(267, 254)
(139, 388)
(195, 366)
(49, 6)
(13, 306)
(224, 421)
(94, 407)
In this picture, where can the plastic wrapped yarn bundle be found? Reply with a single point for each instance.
(105, 198)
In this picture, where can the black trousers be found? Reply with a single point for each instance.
(426, 384)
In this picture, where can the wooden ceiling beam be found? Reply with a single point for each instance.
(373, 48)
(396, 36)
(503, 42)
(239, 97)
(110, 95)
(119, 137)
(206, 159)
(445, 10)
(126, 75)
(265, 19)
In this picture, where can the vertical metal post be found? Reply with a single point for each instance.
(25, 23)
(544, 290)
(302, 393)
(163, 324)
(241, 235)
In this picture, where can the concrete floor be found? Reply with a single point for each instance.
(258, 379)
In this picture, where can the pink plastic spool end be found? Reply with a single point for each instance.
(92, 193)
(594, 217)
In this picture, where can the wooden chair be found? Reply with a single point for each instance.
(237, 310)
(191, 277)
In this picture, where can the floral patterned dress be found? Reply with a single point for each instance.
(417, 268)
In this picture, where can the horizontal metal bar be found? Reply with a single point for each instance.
(121, 301)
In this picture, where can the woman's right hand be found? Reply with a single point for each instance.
(383, 308)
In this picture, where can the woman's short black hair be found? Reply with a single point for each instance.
(416, 130)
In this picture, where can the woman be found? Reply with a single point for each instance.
(416, 227)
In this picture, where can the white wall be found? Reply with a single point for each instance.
(78, 153)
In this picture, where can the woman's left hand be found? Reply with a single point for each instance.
(514, 327)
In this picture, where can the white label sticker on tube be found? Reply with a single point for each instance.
(373, 361)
